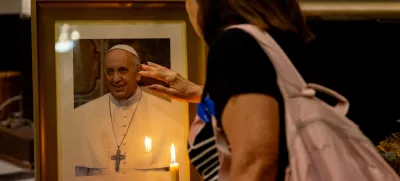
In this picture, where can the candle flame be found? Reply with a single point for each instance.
(147, 143)
(173, 154)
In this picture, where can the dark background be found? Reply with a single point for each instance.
(356, 58)
(16, 54)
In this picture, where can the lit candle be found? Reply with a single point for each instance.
(173, 167)
(147, 144)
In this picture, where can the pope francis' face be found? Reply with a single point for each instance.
(121, 74)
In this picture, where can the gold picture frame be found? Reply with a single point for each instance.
(350, 10)
(45, 16)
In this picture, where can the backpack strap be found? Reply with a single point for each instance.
(284, 68)
(342, 107)
(294, 84)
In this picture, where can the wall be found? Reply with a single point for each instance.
(15, 7)
(10, 6)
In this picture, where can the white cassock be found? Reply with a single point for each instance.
(98, 144)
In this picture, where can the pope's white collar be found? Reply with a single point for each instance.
(128, 102)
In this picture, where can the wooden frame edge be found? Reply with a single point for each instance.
(35, 87)
(347, 10)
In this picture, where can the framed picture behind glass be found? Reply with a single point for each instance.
(95, 118)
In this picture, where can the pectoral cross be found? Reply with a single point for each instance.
(117, 157)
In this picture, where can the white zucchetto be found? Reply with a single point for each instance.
(128, 49)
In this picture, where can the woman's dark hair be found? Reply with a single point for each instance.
(284, 15)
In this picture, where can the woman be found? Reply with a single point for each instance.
(241, 81)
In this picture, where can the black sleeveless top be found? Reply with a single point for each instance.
(238, 65)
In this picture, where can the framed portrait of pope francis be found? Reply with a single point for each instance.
(95, 117)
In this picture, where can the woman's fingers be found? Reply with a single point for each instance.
(170, 92)
(157, 66)
(158, 88)
(154, 74)
(148, 67)
(158, 72)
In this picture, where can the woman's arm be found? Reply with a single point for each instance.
(251, 123)
(241, 81)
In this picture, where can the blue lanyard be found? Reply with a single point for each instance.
(206, 109)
